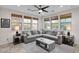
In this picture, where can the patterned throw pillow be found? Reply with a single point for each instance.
(27, 34)
(54, 33)
(44, 31)
(33, 32)
(38, 32)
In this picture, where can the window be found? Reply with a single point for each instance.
(47, 23)
(27, 24)
(34, 23)
(65, 23)
(16, 23)
(55, 22)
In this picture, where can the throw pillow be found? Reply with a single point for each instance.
(38, 32)
(27, 34)
(54, 33)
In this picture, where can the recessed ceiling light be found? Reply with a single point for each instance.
(52, 10)
(18, 5)
(61, 6)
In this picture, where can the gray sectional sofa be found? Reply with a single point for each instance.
(52, 35)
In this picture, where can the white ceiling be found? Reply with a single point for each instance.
(51, 10)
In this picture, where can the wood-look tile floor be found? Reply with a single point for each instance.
(33, 48)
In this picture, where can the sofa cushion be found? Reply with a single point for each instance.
(49, 32)
(35, 32)
(54, 33)
(23, 32)
(34, 36)
(50, 36)
(44, 31)
(38, 32)
(32, 32)
(60, 33)
(27, 34)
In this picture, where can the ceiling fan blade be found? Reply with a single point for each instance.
(36, 7)
(45, 11)
(31, 10)
(45, 7)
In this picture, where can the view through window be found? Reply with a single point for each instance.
(55, 22)
(27, 24)
(16, 23)
(34, 23)
(47, 24)
(65, 22)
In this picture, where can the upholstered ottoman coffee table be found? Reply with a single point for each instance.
(45, 43)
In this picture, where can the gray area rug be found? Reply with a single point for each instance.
(33, 48)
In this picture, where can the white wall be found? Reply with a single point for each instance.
(7, 33)
(75, 24)
(40, 23)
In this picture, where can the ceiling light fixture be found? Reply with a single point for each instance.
(18, 5)
(40, 11)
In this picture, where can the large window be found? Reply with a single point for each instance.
(34, 23)
(65, 23)
(16, 23)
(54, 22)
(47, 24)
(27, 23)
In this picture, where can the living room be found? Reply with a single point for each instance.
(39, 18)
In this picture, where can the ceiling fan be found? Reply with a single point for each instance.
(40, 9)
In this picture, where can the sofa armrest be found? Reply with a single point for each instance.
(28, 39)
(25, 39)
(59, 39)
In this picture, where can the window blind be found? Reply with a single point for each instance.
(68, 15)
(16, 15)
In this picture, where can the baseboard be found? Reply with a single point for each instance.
(6, 43)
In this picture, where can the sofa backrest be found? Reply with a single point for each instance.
(53, 32)
(26, 33)
(33, 32)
